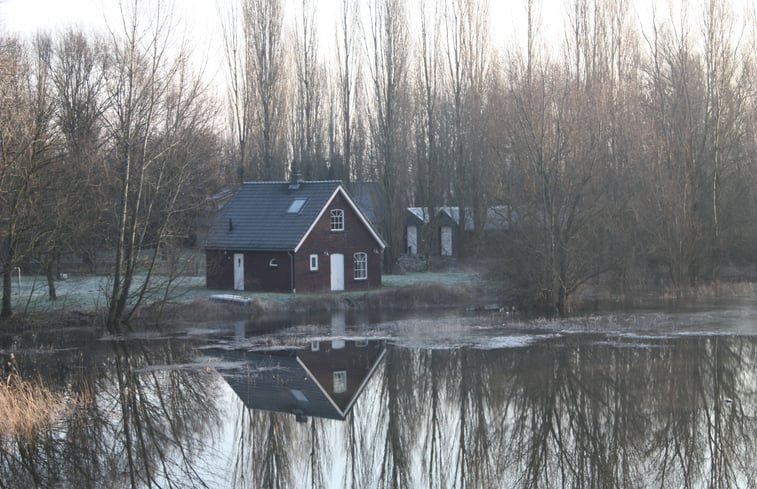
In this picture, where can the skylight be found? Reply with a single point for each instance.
(299, 395)
(296, 206)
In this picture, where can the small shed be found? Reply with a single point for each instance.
(416, 219)
(293, 236)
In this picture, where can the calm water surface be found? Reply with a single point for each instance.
(648, 399)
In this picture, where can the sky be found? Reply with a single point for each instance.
(201, 19)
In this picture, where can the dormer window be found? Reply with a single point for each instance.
(296, 206)
(337, 220)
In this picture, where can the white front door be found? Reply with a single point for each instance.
(337, 271)
(238, 271)
(412, 240)
(446, 241)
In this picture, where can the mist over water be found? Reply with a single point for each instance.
(636, 400)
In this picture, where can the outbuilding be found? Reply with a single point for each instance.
(293, 236)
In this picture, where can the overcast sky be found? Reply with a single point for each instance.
(201, 16)
(201, 19)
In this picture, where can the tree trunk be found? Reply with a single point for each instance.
(7, 310)
(50, 280)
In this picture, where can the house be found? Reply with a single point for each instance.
(293, 236)
(448, 231)
(446, 221)
(322, 379)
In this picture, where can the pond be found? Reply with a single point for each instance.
(644, 399)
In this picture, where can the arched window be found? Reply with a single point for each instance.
(361, 266)
(337, 220)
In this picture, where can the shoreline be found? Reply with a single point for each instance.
(421, 296)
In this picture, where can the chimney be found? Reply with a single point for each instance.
(295, 180)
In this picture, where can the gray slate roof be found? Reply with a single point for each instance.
(256, 218)
(278, 383)
(370, 198)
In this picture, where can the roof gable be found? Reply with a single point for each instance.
(358, 212)
(285, 380)
(274, 216)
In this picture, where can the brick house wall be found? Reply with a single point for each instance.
(355, 238)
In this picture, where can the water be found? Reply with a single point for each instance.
(646, 399)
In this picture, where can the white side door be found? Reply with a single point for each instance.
(238, 271)
(446, 241)
(412, 240)
(337, 271)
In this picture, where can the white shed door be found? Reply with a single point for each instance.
(446, 241)
(337, 271)
(412, 240)
(238, 271)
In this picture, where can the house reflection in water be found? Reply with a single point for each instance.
(321, 378)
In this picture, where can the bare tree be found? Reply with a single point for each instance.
(263, 28)
(348, 75)
(26, 137)
(152, 99)
(387, 45)
(307, 121)
(77, 70)
(429, 189)
(468, 62)
(239, 83)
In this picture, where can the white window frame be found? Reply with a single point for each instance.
(313, 263)
(340, 381)
(337, 220)
(360, 266)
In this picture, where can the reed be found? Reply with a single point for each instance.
(28, 408)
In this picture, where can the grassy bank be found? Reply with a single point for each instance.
(188, 298)
(399, 292)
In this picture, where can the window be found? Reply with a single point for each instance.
(296, 206)
(340, 381)
(313, 263)
(337, 220)
(299, 395)
(361, 266)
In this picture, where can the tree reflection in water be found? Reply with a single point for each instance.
(138, 423)
(583, 411)
(578, 412)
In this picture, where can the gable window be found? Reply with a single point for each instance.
(361, 266)
(296, 206)
(313, 263)
(340, 381)
(337, 220)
